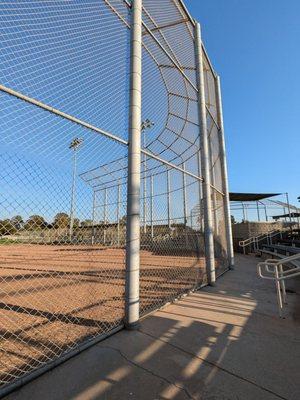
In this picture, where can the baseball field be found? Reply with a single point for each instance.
(54, 297)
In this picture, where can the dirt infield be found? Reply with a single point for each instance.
(55, 297)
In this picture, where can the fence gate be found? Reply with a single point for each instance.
(113, 182)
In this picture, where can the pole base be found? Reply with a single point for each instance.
(132, 326)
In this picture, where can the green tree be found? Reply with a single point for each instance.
(61, 220)
(35, 222)
(7, 227)
(17, 221)
(87, 222)
(76, 223)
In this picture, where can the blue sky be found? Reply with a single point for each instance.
(79, 67)
(254, 46)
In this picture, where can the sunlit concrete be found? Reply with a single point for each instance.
(221, 343)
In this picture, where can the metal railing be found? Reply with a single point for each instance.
(255, 240)
(274, 271)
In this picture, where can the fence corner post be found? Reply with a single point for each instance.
(132, 301)
(228, 227)
(208, 229)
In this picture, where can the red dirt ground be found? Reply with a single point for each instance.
(54, 297)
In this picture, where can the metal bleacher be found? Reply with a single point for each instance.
(287, 245)
(281, 249)
(278, 244)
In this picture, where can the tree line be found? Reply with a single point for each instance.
(61, 220)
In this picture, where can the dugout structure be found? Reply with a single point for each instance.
(112, 134)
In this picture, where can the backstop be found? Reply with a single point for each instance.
(111, 137)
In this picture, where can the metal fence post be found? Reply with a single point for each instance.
(266, 214)
(169, 198)
(284, 212)
(151, 205)
(118, 214)
(185, 207)
(257, 209)
(228, 226)
(73, 194)
(200, 190)
(93, 217)
(208, 229)
(289, 207)
(134, 170)
(145, 191)
(184, 195)
(244, 213)
(104, 215)
(213, 181)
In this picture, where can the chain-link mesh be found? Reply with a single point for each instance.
(64, 79)
(172, 255)
(62, 268)
(172, 245)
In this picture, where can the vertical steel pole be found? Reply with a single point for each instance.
(284, 212)
(257, 209)
(227, 213)
(208, 229)
(104, 215)
(169, 198)
(118, 213)
(151, 205)
(266, 214)
(145, 186)
(184, 195)
(134, 170)
(214, 196)
(73, 194)
(200, 189)
(93, 217)
(185, 207)
(289, 207)
(244, 214)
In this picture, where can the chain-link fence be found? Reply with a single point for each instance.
(66, 176)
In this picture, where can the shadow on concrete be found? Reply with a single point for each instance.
(221, 343)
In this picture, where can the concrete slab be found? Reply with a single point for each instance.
(221, 343)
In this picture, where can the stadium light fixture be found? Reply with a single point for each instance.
(147, 124)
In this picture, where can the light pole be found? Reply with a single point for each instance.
(147, 124)
(74, 145)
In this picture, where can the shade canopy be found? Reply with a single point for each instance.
(250, 196)
(292, 215)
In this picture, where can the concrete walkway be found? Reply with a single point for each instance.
(220, 343)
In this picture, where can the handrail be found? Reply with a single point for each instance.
(275, 272)
(262, 236)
